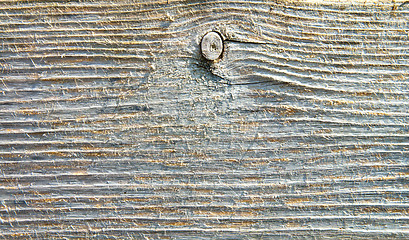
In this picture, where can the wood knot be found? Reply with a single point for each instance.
(212, 46)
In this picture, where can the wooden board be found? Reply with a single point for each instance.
(112, 124)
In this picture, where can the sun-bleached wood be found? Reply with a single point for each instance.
(112, 124)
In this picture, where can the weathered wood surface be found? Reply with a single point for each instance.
(113, 125)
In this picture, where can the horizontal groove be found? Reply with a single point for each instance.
(381, 138)
(123, 128)
(292, 204)
(97, 10)
(91, 199)
(345, 18)
(254, 53)
(271, 78)
(69, 78)
(230, 219)
(76, 67)
(232, 160)
(135, 107)
(359, 32)
(318, 169)
(62, 147)
(366, 6)
(231, 10)
(265, 57)
(30, 143)
(261, 14)
(180, 230)
(147, 126)
(88, 56)
(143, 126)
(33, 122)
(208, 186)
(237, 174)
(124, 112)
(138, 37)
(210, 178)
(132, 44)
(280, 45)
(165, 5)
(249, 203)
(327, 110)
(265, 68)
(339, 122)
(82, 38)
(324, 99)
(350, 146)
(142, 106)
(145, 8)
(61, 100)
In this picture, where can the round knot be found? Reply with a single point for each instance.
(212, 46)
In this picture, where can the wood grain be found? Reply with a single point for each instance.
(112, 124)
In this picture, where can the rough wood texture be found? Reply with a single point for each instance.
(113, 125)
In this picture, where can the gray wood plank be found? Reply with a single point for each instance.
(112, 124)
